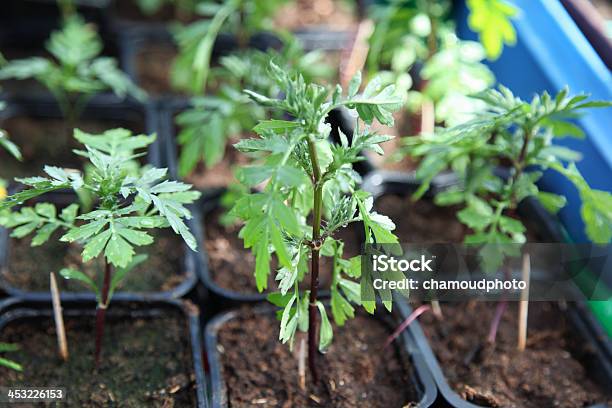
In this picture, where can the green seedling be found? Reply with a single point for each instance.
(127, 208)
(76, 72)
(310, 193)
(242, 18)
(212, 120)
(519, 134)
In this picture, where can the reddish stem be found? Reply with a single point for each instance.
(312, 316)
(415, 313)
(101, 311)
(499, 312)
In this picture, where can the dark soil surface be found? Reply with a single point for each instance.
(145, 361)
(260, 371)
(549, 373)
(45, 141)
(233, 267)
(153, 64)
(29, 267)
(422, 221)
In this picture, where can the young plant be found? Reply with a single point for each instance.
(5, 362)
(241, 18)
(76, 72)
(519, 134)
(450, 69)
(207, 125)
(310, 193)
(127, 207)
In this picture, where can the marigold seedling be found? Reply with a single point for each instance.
(127, 207)
(76, 72)
(309, 178)
(520, 133)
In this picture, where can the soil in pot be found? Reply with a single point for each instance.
(153, 66)
(222, 173)
(232, 266)
(146, 361)
(355, 372)
(424, 222)
(28, 268)
(549, 373)
(45, 141)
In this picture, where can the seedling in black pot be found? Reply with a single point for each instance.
(127, 207)
(311, 193)
(516, 134)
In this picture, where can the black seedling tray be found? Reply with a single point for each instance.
(547, 226)
(126, 310)
(420, 377)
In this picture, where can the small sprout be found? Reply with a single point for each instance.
(7, 348)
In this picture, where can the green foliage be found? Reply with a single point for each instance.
(206, 127)
(7, 348)
(5, 143)
(77, 71)
(451, 69)
(491, 19)
(242, 18)
(127, 206)
(308, 177)
(521, 133)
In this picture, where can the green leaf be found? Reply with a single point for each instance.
(262, 263)
(326, 333)
(279, 246)
(70, 273)
(552, 202)
(121, 273)
(10, 364)
(94, 246)
(118, 251)
(43, 234)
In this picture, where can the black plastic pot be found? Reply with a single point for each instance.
(103, 107)
(26, 24)
(20, 311)
(421, 378)
(382, 183)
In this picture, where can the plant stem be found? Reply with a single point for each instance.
(499, 312)
(314, 272)
(101, 311)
